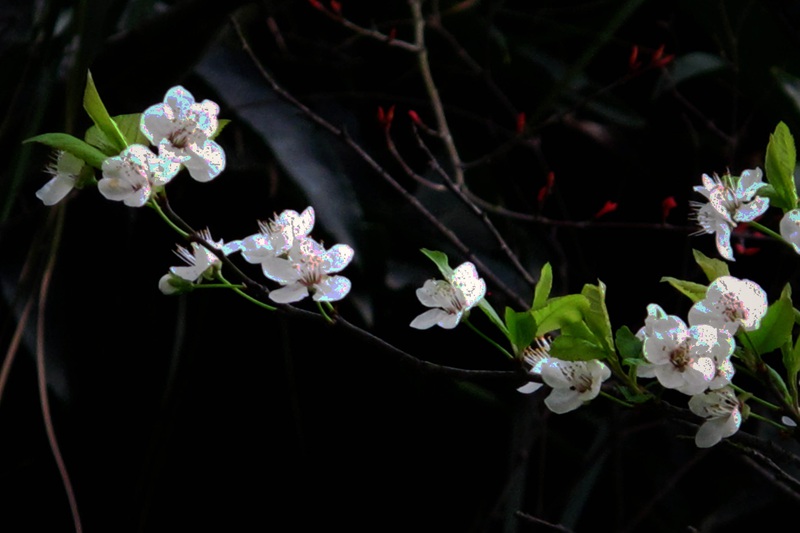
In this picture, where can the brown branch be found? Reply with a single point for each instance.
(41, 372)
(345, 137)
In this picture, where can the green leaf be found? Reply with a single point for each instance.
(628, 345)
(521, 328)
(694, 291)
(559, 312)
(570, 348)
(780, 163)
(221, 123)
(97, 112)
(128, 126)
(791, 360)
(776, 326)
(489, 311)
(597, 317)
(543, 287)
(713, 268)
(440, 260)
(73, 145)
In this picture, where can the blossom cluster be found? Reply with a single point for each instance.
(696, 359)
(573, 383)
(286, 254)
(180, 128)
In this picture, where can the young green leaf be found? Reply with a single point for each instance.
(597, 317)
(559, 312)
(543, 287)
(569, 348)
(521, 328)
(780, 163)
(489, 311)
(628, 345)
(97, 112)
(776, 326)
(128, 126)
(440, 260)
(713, 268)
(694, 291)
(73, 145)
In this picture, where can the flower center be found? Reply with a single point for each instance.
(311, 270)
(679, 357)
(179, 137)
(581, 383)
(733, 307)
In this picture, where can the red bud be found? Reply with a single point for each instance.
(386, 117)
(413, 115)
(667, 205)
(316, 4)
(607, 208)
(336, 7)
(633, 59)
(520, 122)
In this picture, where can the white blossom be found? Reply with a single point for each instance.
(181, 128)
(721, 410)
(200, 263)
(305, 270)
(573, 383)
(131, 176)
(731, 303)
(730, 200)
(276, 236)
(449, 299)
(688, 359)
(65, 170)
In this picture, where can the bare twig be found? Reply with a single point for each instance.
(42, 374)
(387, 38)
(345, 137)
(475, 209)
(433, 92)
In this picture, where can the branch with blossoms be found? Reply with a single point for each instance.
(564, 342)
(566, 347)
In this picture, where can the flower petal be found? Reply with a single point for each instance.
(291, 293)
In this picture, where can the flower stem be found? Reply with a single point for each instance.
(243, 294)
(755, 398)
(615, 399)
(763, 229)
(487, 339)
(767, 420)
(152, 203)
(324, 313)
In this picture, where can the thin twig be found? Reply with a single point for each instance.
(433, 92)
(345, 137)
(42, 374)
(389, 39)
(455, 189)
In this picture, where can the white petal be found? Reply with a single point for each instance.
(466, 278)
(289, 294)
(55, 190)
(562, 401)
(332, 288)
(752, 210)
(530, 387)
(207, 162)
(790, 228)
(432, 317)
(338, 258)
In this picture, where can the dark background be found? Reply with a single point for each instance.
(203, 411)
